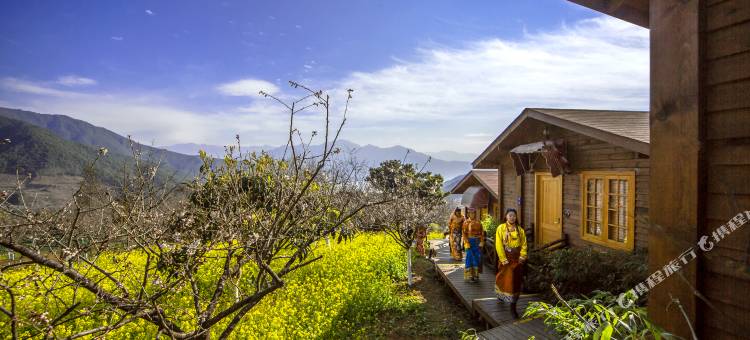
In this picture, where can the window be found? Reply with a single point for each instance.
(608, 204)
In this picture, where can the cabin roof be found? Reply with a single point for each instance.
(485, 177)
(630, 124)
(627, 129)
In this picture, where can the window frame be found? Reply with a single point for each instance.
(603, 238)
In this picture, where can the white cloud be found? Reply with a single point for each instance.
(28, 87)
(150, 12)
(116, 38)
(151, 118)
(72, 80)
(247, 87)
(597, 63)
(477, 135)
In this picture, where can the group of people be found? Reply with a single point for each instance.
(466, 235)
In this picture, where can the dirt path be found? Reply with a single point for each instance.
(441, 316)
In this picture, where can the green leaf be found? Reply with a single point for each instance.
(607, 332)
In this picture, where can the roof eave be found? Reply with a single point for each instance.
(632, 11)
(625, 142)
(468, 176)
(622, 141)
(499, 139)
(460, 183)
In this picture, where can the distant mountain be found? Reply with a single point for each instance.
(450, 183)
(454, 156)
(371, 155)
(81, 132)
(213, 150)
(39, 152)
(183, 157)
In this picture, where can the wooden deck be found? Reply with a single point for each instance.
(522, 329)
(480, 300)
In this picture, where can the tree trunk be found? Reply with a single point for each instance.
(408, 267)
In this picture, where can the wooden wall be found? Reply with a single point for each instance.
(509, 184)
(724, 272)
(584, 153)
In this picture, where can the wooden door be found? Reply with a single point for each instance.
(548, 213)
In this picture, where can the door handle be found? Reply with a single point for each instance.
(557, 220)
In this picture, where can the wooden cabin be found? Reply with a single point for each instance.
(480, 191)
(700, 158)
(576, 174)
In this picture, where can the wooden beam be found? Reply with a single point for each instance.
(500, 193)
(519, 197)
(614, 5)
(677, 172)
(633, 11)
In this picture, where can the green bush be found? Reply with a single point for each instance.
(576, 271)
(490, 224)
(597, 317)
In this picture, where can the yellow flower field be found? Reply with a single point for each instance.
(340, 296)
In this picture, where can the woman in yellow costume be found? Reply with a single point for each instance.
(510, 241)
(473, 237)
(455, 224)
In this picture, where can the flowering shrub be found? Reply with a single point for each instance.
(340, 295)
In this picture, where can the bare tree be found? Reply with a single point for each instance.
(416, 198)
(223, 242)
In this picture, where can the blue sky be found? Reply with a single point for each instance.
(431, 75)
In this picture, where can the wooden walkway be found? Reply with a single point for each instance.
(480, 300)
(522, 329)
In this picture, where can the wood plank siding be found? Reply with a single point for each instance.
(700, 149)
(724, 272)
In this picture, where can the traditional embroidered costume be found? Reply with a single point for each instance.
(473, 237)
(511, 246)
(454, 227)
(420, 238)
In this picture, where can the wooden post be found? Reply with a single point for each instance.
(677, 175)
(500, 196)
(519, 198)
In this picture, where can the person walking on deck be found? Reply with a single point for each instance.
(421, 237)
(455, 224)
(473, 238)
(510, 241)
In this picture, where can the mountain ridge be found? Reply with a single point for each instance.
(372, 155)
(85, 133)
(183, 157)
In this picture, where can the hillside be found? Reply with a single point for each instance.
(41, 153)
(81, 132)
